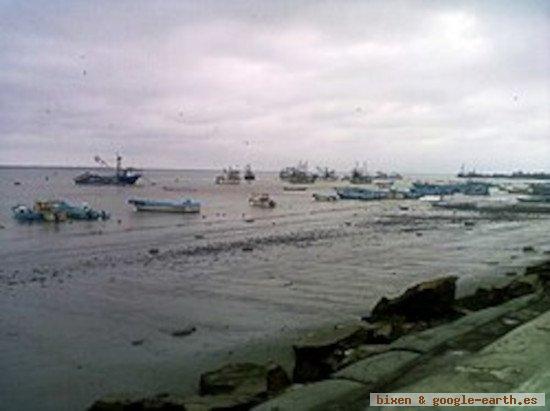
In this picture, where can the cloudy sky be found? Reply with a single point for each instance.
(405, 85)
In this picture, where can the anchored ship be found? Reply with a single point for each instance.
(122, 176)
(229, 176)
(249, 174)
(298, 174)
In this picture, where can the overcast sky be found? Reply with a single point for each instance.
(405, 85)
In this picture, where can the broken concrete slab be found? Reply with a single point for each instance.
(256, 380)
(434, 339)
(319, 353)
(492, 296)
(502, 366)
(379, 369)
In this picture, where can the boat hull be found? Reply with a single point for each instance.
(166, 206)
(94, 179)
(352, 193)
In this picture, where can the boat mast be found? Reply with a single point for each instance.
(118, 164)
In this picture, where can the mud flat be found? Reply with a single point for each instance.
(152, 308)
(494, 339)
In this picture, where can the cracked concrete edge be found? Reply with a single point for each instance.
(379, 369)
(432, 340)
(348, 387)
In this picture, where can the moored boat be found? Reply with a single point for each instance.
(122, 176)
(298, 174)
(294, 188)
(359, 193)
(229, 176)
(262, 200)
(359, 176)
(326, 174)
(249, 174)
(534, 199)
(57, 211)
(185, 205)
(325, 197)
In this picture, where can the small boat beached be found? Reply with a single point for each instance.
(166, 206)
(262, 200)
(359, 193)
(431, 198)
(294, 188)
(323, 197)
(534, 199)
(57, 211)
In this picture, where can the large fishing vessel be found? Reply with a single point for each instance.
(229, 175)
(122, 176)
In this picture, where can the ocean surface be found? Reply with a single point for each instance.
(87, 309)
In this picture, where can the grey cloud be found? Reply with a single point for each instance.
(411, 85)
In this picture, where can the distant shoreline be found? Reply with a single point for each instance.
(54, 167)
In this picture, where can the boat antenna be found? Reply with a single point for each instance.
(118, 163)
(99, 160)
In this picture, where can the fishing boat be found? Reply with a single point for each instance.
(229, 176)
(326, 174)
(534, 199)
(249, 174)
(359, 176)
(298, 174)
(540, 189)
(185, 205)
(262, 200)
(540, 193)
(359, 193)
(57, 211)
(122, 176)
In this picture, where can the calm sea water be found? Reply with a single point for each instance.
(219, 203)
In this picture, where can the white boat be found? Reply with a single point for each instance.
(431, 198)
(166, 206)
(261, 200)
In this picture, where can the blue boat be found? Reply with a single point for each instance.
(540, 193)
(57, 211)
(122, 176)
(468, 188)
(185, 205)
(541, 189)
(360, 193)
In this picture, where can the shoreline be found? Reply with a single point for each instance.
(327, 392)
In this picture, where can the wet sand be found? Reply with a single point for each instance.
(92, 311)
